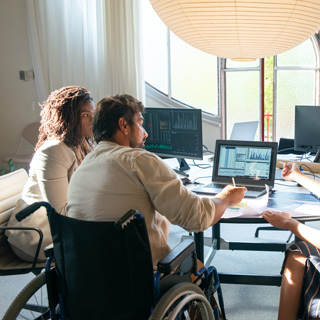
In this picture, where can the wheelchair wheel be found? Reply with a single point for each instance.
(182, 302)
(31, 302)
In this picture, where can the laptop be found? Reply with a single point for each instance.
(252, 164)
(244, 130)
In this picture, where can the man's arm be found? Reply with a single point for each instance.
(228, 197)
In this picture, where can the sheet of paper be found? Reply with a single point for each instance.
(306, 209)
(248, 207)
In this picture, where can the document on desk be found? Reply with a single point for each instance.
(306, 209)
(248, 207)
(297, 206)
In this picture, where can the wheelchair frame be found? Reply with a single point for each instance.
(170, 305)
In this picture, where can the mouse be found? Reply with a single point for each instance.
(186, 181)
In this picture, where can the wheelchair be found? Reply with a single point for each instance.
(103, 270)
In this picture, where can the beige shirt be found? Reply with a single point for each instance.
(114, 179)
(50, 171)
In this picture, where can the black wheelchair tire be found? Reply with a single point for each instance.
(176, 295)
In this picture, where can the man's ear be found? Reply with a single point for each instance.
(123, 125)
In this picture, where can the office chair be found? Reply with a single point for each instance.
(286, 146)
(11, 186)
(103, 270)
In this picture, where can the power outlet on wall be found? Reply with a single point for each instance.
(26, 75)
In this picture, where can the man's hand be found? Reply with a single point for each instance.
(232, 195)
(228, 197)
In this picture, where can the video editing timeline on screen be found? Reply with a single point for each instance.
(174, 132)
(245, 161)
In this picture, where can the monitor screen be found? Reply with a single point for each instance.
(174, 132)
(250, 162)
(307, 128)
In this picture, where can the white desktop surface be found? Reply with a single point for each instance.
(203, 175)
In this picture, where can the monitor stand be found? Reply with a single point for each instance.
(183, 166)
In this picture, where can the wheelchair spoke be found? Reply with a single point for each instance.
(31, 302)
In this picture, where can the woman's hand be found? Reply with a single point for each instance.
(289, 171)
(278, 219)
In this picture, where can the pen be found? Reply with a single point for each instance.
(284, 163)
(314, 195)
(234, 184)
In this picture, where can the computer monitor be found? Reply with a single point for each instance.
(174, 132)
(307, 128)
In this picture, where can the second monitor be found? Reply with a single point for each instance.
(307, 129)
(174, 132)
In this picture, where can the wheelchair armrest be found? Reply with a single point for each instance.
(48, 251)
(176, 256)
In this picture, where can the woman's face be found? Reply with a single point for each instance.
(87, 110)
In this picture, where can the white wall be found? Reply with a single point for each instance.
(17, 96)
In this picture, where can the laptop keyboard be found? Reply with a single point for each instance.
(221, 186)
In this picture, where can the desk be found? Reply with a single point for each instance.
(285, 195)
(277, 200)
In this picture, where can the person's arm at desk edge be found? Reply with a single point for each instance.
(228, 197)
(283, 220)
(291, 172)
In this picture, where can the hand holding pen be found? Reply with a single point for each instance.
(289, 171)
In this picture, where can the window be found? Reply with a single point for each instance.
(242, 93)
(191, 75)
(266, 89)
(155, 49)
(296, 83)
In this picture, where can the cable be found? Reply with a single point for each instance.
(201, 166)
(204, 177)
(206, 149)
(311, 172)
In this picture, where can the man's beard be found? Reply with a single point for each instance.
(134, 144)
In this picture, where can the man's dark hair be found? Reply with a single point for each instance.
(108, 112)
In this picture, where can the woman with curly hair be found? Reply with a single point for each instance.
(65, 138)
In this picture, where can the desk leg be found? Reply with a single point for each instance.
(199, 242)
(216, 235)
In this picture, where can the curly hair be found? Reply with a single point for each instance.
(61, 119)
(108, 112)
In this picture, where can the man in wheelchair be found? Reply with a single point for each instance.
(120, 175)
(112, 267)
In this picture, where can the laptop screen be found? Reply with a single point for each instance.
(244, 130)
(249, 162)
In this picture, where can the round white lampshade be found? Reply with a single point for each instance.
(241, 29)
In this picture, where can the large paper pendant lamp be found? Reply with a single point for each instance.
(241, 29)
